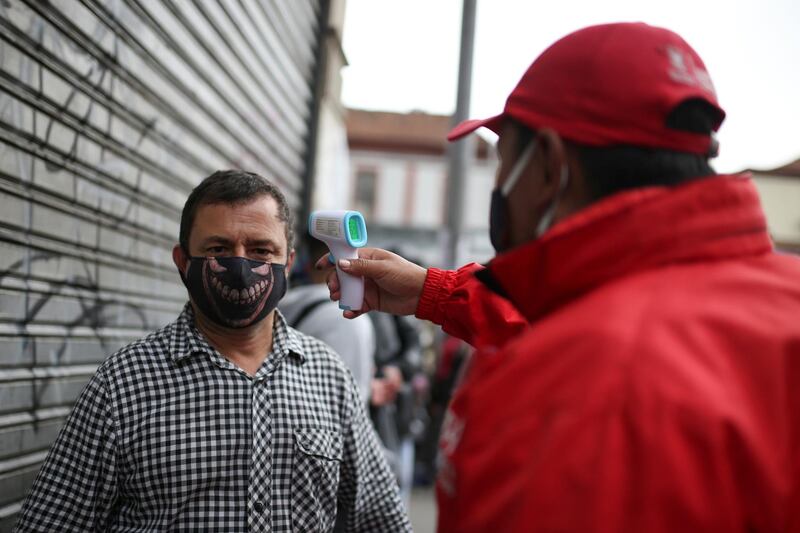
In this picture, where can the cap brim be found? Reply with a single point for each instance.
(468, 126)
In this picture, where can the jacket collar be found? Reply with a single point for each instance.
(709, 219)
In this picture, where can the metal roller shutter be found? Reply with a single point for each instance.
(111, 111)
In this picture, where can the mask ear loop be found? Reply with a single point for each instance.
(519, 166)
(547, 217)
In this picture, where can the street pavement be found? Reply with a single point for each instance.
(423, 510)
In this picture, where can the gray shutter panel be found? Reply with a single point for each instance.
(111, 111)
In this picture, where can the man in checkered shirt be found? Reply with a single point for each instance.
(227, 419)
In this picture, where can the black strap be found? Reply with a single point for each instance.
(305, 311)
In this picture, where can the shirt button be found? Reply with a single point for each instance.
(258, 507)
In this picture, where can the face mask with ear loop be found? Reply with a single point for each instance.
(498, 210)
(550, 212)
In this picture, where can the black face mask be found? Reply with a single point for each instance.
(235, 292)
(498, 221)
(498, 209)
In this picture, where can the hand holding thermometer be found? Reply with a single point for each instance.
(343, 232)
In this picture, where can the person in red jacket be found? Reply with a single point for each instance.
(638, 338)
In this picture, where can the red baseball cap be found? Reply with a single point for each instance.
(612, 84)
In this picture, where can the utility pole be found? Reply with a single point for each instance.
(460, 151)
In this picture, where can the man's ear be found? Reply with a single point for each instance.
(290, 261)
(559, 156)
(554, 153)
(180, 259)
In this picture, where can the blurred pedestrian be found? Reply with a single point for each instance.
(308, 308)
(638, 363)
(453, 356)
(393, 406)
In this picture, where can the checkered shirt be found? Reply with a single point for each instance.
(170, 436)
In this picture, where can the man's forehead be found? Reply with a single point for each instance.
(247, 239)
(507, 136)
(264, 201)
(264, 209)
(259, 217)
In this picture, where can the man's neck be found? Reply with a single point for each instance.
(245, 347)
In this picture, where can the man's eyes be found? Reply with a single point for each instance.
(256, 252)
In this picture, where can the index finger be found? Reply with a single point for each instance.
(324, 262)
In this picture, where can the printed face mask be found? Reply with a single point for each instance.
(235, 292)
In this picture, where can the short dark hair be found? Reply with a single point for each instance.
(608, 170)
(234, 187)
(615, 169)
(611, 169)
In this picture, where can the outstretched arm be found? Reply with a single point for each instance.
(456, 300)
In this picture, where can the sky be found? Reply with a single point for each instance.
(403, 56)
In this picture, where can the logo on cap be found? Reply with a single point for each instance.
(684, 70)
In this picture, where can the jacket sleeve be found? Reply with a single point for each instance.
(467, 309)
(76, 487)
(369, 498)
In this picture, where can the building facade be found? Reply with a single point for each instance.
(780, 195)
(399, 167)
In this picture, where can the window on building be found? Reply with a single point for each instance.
(365, 192)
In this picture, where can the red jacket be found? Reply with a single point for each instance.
(644, 374)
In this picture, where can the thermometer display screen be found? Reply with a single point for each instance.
(353, 229)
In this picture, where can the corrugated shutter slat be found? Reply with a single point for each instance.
(110, 112)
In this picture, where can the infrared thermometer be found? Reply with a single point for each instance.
(344, 232)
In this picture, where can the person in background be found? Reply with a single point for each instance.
(308, 308)
(392, 405)
(226, 419)
(637, 363)
(452, 358)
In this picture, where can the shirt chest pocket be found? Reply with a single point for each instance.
(315, 479)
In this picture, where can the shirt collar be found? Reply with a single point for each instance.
(285, 340)
(186, 340)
